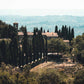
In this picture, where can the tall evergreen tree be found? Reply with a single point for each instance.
(48, 30)
(34, 46)
(25, 46)
(72, 32)
(44, 30)
(3, 50)
(70, 36)
(56, 29)
(41, 43)
(41, 29)
(59, 33)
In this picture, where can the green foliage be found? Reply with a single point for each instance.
(78, 45)
(5, 78)
(8, 44)
(66, 32)
(26, 70)
(79, 78)
(56, 29)
(25, 46)
(38, 44)
(57, 45)
(50, 77)
(22, 29)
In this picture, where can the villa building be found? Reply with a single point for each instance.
(49, 35)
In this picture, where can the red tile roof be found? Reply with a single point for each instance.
(67, 41)
(20, 33)
(48, 34)
(29, 33)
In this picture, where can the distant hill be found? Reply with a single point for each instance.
(47, 22)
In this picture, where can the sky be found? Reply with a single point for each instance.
(42, 7)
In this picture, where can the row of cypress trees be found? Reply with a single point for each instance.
(8, 44)
(67, 33)
(12, 53)
(32, 52)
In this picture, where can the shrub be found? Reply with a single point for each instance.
(50, 77)
(79, 78)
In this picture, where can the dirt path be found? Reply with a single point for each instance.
(51, 65)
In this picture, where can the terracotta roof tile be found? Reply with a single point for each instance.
(29, 33)
(67, 41)
(20, 33)
(48, 34)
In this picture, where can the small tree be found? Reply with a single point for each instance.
(56, 29)
(25, 45)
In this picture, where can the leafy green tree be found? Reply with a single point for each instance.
(50, 77)
(78, 43)
(58, 45)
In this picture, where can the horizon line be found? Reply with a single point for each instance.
(42, 15)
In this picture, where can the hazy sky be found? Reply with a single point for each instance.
(42, 7)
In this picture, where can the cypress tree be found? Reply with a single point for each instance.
(44, 30)
(30, 54)
(25, 46)
(46, 50)
(34, 46)
(62, 31)
(37, 45)
(48, 30)
(72, 32)
(56, 29)
(41, 29)
(3, 50)
(14, 51)
(41, 44)
(65, 32)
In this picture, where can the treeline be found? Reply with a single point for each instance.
(16, 53)
(78, 48)
(35, 49)
(58, 45)
(67, 33)
(11, 51)
(8, 43)
(38, 44)
(7, 31)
